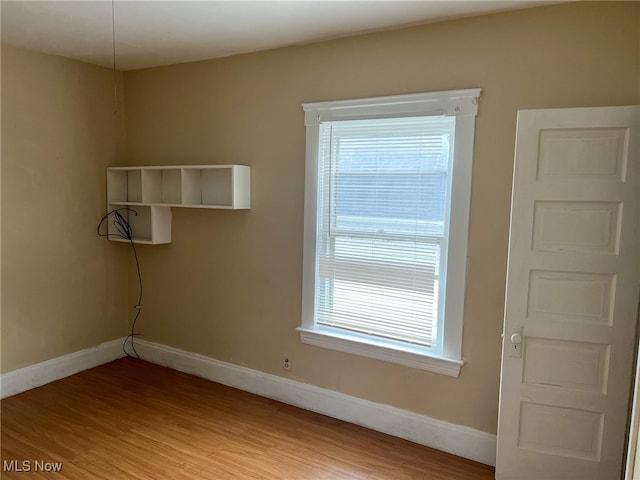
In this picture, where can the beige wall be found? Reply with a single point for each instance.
(229, 286)
(63, 288)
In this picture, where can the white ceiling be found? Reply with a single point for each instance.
(153, 33)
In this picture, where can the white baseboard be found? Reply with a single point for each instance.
(456, 439)
(42, 373)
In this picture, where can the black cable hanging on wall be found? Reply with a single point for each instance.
(113, 50)
(123, 230)
(121, 224)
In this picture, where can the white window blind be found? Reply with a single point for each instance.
(383, 210)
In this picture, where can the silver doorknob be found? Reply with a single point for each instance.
(516, 338)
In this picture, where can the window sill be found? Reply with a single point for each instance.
(380, 351)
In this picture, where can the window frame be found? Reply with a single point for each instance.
(463, 104)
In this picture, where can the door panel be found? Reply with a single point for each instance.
(572, 295)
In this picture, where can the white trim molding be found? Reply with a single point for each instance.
(23, 379)
(402, 355)
(451, 102)
(456, 439)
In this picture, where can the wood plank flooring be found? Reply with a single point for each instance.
(130, 419)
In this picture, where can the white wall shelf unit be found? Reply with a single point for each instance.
(152, 191)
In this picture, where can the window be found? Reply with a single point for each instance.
(386, 222)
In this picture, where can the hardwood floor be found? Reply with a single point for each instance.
(130, 419)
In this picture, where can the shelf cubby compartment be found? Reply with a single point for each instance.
(149, 224)
(124, 185)
(162, 185)
(216, 186)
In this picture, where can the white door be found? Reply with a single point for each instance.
(572, 295)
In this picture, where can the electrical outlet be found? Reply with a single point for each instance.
(286, 363)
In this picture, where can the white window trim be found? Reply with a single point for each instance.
(464, 105)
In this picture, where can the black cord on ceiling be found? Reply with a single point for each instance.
(123, 230)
